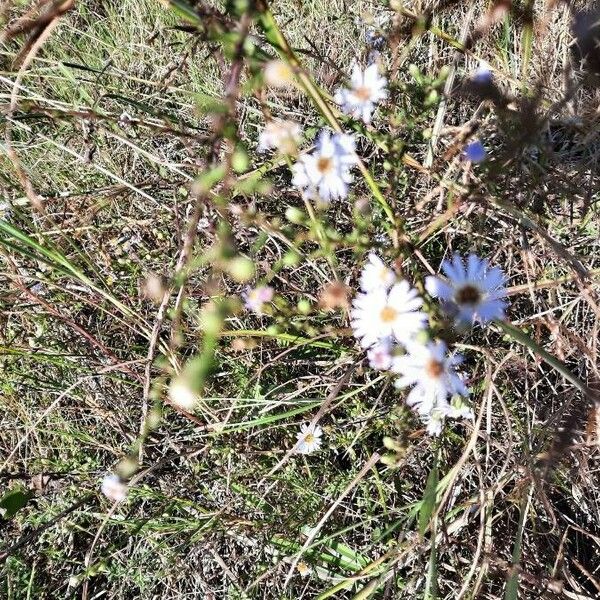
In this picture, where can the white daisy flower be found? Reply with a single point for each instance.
(284, 136)
(474, 293)
(430, 370)
(256, 298)
(380, 355)
(303, 569)
(309, 438)
(113, 488)
(376, 274)
(366, 89)
(326, 172)
(380, 314)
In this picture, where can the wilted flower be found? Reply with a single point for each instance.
(256, 298)
(430, 370)
(113, 488)
(181, 393)
(303, 569)
(124, 119)
(278, 73)
(366, 89)
(326, 172)
(374, 37)
(309, 438)
(284, 136)
(154, 288)
(474, 293)
(380, 314)
(380, 355)
(334, 295)
(474, 152)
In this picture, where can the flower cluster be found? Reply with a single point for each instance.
(386, 315)
(324, 174)
(387, 320)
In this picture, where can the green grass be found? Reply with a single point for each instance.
(218, 506)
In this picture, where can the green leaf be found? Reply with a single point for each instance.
(185, 11)
(428, 502)
(12, 502)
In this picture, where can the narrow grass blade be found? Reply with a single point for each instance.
(520, 336)
(429, 498)
(512, 587)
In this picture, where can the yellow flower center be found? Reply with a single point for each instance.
(383, 274)
(434, 368)
(468, 294)
(324, 164)
(309, 438)
(388, 314)
(363, 93)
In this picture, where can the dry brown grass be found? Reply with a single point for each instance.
(219, 508)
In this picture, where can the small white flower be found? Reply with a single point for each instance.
(326, 172)
(474, 152)
(380, 314)
(376, 274)
(309, 438)
(380, 355)
(474, 293)
(461, 411)
(284, 136)
(430, 370)
(256, 298)
(181, 393)
(303, 569)
(436, 418)
(278, 74)
(125, 119)
(113, 488)
(366, 89)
